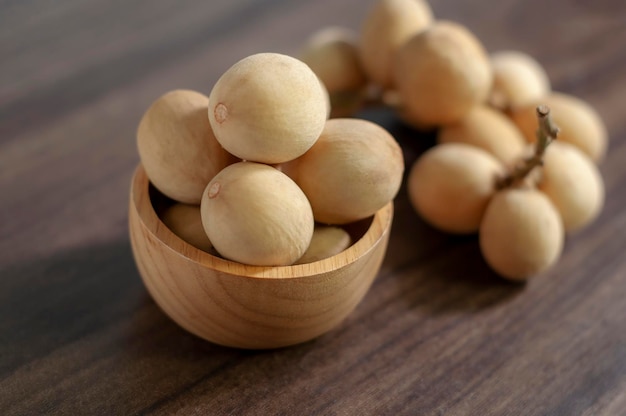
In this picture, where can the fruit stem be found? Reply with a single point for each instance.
(546, 134)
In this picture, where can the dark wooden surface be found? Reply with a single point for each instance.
(438, 334)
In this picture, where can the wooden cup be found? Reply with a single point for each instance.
(244, 306)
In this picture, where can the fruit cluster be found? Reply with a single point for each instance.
(261, 176)
(492, 171)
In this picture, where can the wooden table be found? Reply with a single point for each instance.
(438, 334)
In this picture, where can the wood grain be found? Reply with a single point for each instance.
(437, 334)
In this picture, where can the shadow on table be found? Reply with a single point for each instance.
(83, 294)
(460, 281)
(438, 272)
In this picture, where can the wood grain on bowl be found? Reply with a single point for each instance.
(250, 306)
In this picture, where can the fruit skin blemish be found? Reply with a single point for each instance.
(214, 190)
(221, 113)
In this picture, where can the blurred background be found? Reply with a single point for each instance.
(77, 75)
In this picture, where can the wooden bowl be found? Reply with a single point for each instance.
(244, 306)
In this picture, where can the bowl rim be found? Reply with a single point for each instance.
(141, 203)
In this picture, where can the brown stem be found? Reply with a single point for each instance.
(546, 134)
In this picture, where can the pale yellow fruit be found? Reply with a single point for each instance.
(518, 80)
(177, 147)
(353, 170)
(326, 242)
(332, 53)
(388, 25)
(578, 122)
(184, 220)
(521, 233)
(451, 184)
(573, 184)
(440, 74)
(256, 215)
(268, 108)
(488, 129)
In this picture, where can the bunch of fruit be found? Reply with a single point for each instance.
(261, 176)
(492, 171)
